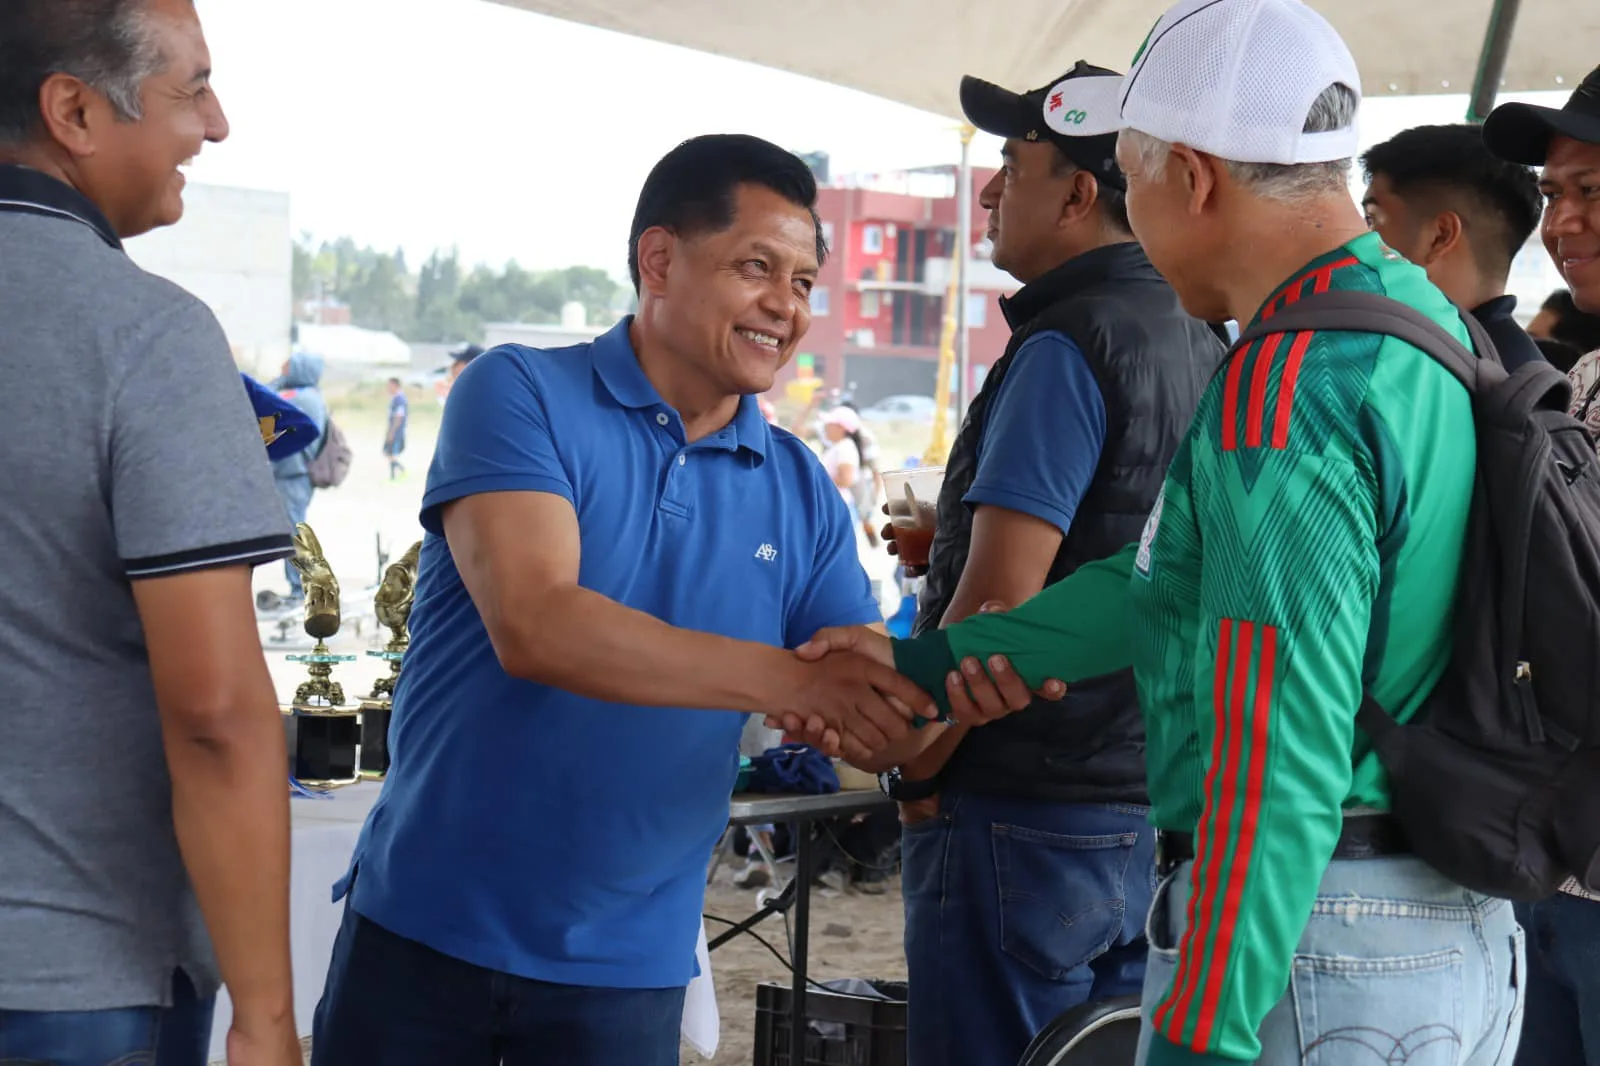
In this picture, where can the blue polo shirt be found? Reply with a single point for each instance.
(1042, 438)
(534, 832)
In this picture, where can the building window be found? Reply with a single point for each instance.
(869, 305)
(827, 234)
(977, 310)
(872, 240)
(819, 302)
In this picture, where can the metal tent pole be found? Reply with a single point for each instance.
(963, 259)
(1492, 60)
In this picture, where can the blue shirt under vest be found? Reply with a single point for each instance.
(534, 832)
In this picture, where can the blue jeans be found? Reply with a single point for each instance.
(390, 1001)
(179, 1035)
(1016, 912)
(295, 492)
(1396, 965)
(1562, 1027)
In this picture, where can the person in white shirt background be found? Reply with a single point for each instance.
(841, 455)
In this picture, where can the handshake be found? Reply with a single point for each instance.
(846, 698)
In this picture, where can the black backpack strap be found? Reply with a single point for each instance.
(1588, 401)
(1374, 721)
(1370, 312)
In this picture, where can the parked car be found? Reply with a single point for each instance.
(905, 408)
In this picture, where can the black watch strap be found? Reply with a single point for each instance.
(901, 790)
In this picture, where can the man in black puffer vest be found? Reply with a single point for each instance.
(1029, 864)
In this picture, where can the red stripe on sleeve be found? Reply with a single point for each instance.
(1219, 703)
(1211, 835)
(1286, 387)
(1258, 390)
(1325, 275)
(1295, 289)
(1230, 402)
(1249, 823)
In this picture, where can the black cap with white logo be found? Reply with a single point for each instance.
(1079, 113)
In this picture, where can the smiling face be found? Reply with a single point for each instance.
(132, 168)
(734, 303)
(1570, 183)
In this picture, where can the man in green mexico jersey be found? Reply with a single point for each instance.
(1305, 549)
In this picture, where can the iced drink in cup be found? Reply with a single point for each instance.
(913, 504)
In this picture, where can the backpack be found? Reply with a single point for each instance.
(1496, 780)
(331, 464)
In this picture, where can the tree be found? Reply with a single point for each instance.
(593, 288)
(439, 317)
(441, 302)
(381, 295)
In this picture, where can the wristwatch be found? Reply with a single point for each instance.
(897, 788)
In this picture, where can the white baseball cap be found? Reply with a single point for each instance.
(1237, 78)
(844, 418)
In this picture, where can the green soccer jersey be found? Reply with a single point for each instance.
(1305, 547)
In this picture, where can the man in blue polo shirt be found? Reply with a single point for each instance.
(617, 544)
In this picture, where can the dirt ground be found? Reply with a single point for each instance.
(853, 935)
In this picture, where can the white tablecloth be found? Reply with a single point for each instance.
(324, 838)
(325, 833)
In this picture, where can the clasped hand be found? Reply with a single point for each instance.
(857, 705)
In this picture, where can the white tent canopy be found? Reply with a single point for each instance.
(915, 51)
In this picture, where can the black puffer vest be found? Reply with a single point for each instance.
(1153, 362)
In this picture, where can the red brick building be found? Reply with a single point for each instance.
(878, 307)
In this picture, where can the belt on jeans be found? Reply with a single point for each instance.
(1364, 836)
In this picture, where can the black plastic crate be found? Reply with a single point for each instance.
(874, 1031)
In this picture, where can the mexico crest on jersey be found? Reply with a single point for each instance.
(1147, 539)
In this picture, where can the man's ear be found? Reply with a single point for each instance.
(1441, 235)
(66, 107)
(1082, 193)
(657, 247)
(1199, 173)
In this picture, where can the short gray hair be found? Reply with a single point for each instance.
(109, 45)
(1333, 109)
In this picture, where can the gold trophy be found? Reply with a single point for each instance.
(324, 735)
(392, 605)
(321, 692)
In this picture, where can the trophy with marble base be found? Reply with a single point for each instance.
(392, 605)
(322, 733)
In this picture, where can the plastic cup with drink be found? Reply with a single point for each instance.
(913, 506)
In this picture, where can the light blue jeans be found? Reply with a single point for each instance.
(1396, 965)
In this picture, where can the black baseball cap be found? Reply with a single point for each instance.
(1520, 133)
(466, 354)
(1080, 113)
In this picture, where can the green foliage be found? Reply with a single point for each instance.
(443, 302)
